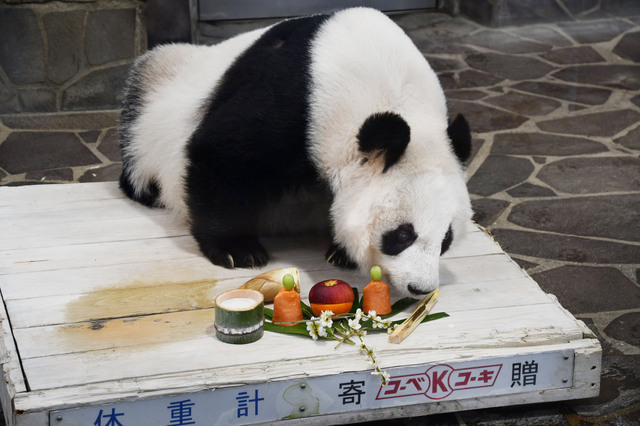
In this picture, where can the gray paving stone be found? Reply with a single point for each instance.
(629, 47)
(498, 173)
(30, 151)
(509, 66)
(465, 95)
(592, 175)
(109, 145)
(543, 33)
(37, 100)
(617, 76)
(443, 64)
(102, 174)
(626, 327)
(19, 27)
(566, 248)
(65, 174)
(109, 35)
(91, 136)
(620, 381)
(487, 210)
(100, 89)
(607, 123)
(447, 81)
(8, 97)
(66, 51)
(472, 78)
(630, 140)
(624, 8)
(504, 42)
(524, 104)
(581, 94)
(578, 7)
(573, 55)
(540, 414)
(485, 119)
(609, 216)
(543, 144)
(529, 190)
(513, 12)
(594, 31)
(65, 121)
(636, 100)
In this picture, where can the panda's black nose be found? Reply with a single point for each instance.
(413, 289)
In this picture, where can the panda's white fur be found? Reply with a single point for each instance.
(361, 64)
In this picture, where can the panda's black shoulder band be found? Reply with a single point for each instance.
(387, 132)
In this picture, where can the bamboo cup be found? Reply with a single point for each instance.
(239, 316)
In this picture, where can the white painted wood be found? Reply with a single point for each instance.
(199, 380)
(109, 301)
(42, 195)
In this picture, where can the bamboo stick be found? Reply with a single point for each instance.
(406, 328)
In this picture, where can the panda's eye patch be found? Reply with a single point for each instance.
(446, 241)
(397, 240)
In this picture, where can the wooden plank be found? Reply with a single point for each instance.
(38, 234)
(124, 325)
(14, 261)
(511, 326)
(56, 194)
(209, 379)
(176, 288)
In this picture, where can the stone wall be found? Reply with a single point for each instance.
(502, 13)
(66, 56)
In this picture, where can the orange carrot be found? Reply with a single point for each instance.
(375, 296)
(286, 304)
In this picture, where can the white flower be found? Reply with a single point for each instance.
(385, 377)
(358, 314)
(325, 319)
(372, 314)
(322, 332)
(312, 328)
(355, 323)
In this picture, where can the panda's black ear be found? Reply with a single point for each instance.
(386, 132)
(460, 136)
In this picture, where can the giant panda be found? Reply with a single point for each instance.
(341, 106)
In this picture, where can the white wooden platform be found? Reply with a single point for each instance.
(108, 317)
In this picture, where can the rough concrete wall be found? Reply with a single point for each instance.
(66, 56)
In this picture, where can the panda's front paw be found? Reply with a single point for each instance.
(337, 256)
(239, 254)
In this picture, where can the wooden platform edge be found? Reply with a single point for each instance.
(12, 375)
(39, 408)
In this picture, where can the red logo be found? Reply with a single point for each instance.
(440, 381)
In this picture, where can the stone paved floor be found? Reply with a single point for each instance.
(555, 176)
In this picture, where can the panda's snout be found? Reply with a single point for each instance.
(414, 289)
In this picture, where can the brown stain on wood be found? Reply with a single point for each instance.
(139, 312)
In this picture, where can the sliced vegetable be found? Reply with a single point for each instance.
(287, 309)
(375, 296)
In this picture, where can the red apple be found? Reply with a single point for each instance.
(331, 295)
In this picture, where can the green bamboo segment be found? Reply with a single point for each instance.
(239, 316)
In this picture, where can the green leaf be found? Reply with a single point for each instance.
(400, 306)
(294, 329)
(268, 313)
(357, 303)
(306, 310)
(431, 317)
